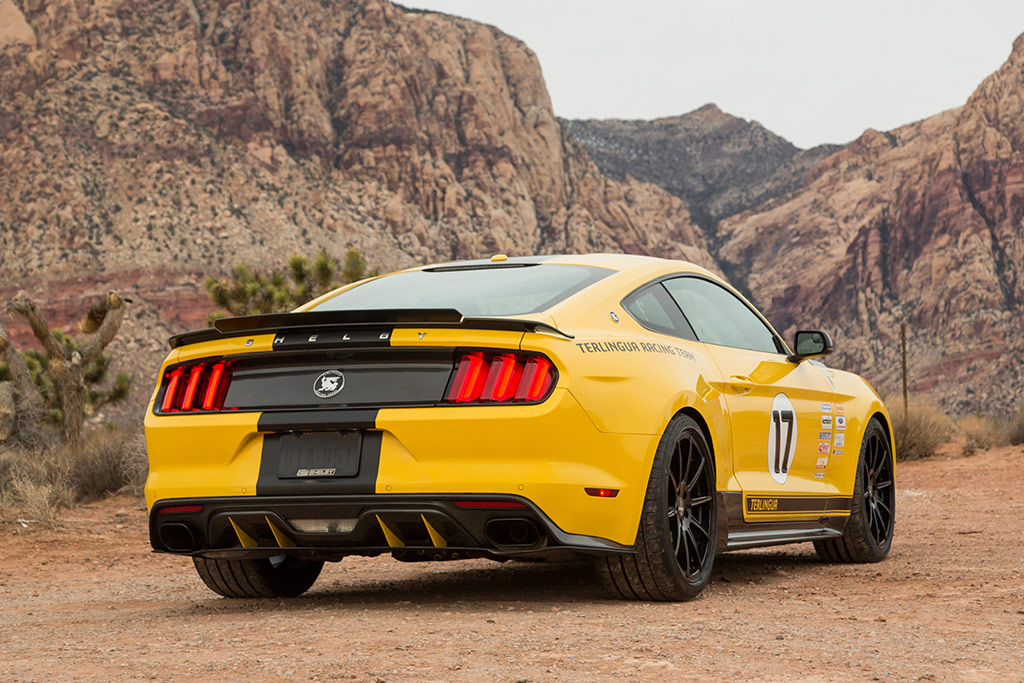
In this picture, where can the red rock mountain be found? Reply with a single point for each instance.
(144, 145)
(922, 225)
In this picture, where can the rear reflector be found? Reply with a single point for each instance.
(602, 493)
(488, 504)
(181, 509)
(501, 377)
(195, 387)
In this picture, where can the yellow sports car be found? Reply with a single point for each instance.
(632, 409)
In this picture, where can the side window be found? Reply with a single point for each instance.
(718, 317)
(653, 308)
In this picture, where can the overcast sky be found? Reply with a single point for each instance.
(812, 71)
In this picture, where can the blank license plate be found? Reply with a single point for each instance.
(326, 454)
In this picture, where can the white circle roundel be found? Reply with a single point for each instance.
(781, 438)
(329, 384)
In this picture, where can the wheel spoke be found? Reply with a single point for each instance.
(700, 468)
(689, 459)
(696, 551)
(686, 550)
(679, 536)
(701, 529)
(703, 500)
(672, 512)
(883, 485)
(885, 507)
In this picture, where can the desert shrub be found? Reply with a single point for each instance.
(920, 430)
(1013, 430)
(980, 433)
(36, 483)
(108, 463)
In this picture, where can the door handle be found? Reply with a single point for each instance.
(740, 384)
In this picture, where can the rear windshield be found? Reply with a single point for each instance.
(473, 290)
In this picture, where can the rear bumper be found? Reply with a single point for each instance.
(412, 527)
(547, 454)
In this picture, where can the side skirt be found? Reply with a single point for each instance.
(736, 534)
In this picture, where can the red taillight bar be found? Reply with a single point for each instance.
(181, 508)
(501, 377)
(212, 389)
(194, 387)
(172, 388)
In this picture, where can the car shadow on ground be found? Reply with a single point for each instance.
(524, 584)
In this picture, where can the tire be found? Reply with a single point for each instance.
(282, 576)
(676, 538)
(869, 531)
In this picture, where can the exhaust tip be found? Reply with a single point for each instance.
(517, 531)
(178, 537)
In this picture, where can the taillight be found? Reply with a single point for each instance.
(501, 377)
(196, 387)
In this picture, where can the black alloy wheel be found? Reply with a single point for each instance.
(879, 488)
(677, 536)
(869, 529)
(691, 502)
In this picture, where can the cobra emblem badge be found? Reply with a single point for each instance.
(329, 384)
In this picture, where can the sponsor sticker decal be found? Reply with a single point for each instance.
(840, 439)
(840, 408)
(821, 464)
(826, 407)
(840, 422)
(823, 447)
(819, 475)
(824, 436)
(826, 422)
(838, 451)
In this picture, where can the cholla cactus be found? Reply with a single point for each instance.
(249, 293)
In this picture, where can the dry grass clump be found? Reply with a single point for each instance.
(36, 483)
(980, 433)
(1015, 430)
(920, 430)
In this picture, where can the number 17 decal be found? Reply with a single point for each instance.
(781, 438)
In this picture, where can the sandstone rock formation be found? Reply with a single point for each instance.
(718, 164)
(920, 225)
(145, 145)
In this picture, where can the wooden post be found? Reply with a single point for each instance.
(903, 348)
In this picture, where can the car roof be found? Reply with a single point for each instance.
(617, 262)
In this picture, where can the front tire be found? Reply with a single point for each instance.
(282, 576)
(676, 539)
(869, 531)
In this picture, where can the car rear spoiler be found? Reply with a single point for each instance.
(394, 317)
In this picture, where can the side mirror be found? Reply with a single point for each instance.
(810, 343)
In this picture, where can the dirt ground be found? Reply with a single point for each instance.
(90, 602)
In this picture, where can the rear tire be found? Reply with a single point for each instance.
(676, 539)
(869, 531)
(282, 576)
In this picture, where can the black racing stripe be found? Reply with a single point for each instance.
(270, 484)
(796, 504)
(317, 420)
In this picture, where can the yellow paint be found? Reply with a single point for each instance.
(230, 346)
(435, 536)
(455, 337)
(245, 539)
(279, 536)
(394, 540)
(202, 456)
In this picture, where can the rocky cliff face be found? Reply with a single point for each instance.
(144, 145)
(718, 164)
(920, 225)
